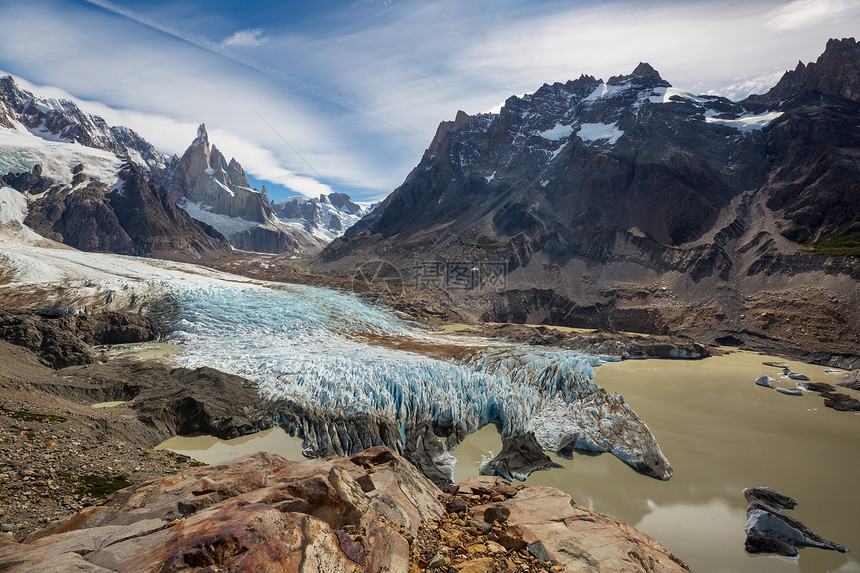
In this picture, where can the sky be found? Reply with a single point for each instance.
(319, 96)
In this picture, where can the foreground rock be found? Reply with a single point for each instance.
(769, 530)
(544, 524)
(263, 513)
(257, 513)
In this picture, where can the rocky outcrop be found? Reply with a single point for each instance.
(834, 73)
(769, 530)
(55, 346)
(221, 195)
(371, 512)
(65, 340)
(258, 511)
(138, 218)
(850, 380)
(520, 456)
(615, 344)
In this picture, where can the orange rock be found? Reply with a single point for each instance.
(484, 565)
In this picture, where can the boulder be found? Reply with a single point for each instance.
(840, 401)
(520, 456)
(770, 531)
(850, 380)
(575, 537)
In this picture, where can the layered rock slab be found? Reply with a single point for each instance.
(259, 512)
(572, 535)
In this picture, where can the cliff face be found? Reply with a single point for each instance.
(608, 201)
(138, 217)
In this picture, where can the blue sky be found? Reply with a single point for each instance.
(312, 96)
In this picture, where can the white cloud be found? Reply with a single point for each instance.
(360, 90)
(805, 13)
(744, 86)
(248, 38)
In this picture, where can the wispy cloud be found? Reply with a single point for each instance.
(805, 13)
(358, 90)
(248, 38)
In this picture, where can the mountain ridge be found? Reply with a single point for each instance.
(590, 191)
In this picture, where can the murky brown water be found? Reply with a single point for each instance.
(721, 433)
(211, 450)
(141, 351)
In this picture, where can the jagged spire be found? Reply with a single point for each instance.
(201, 133)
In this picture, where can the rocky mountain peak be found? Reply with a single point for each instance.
(64, 120)
(643, 70)
(835, 72)
(202, 136)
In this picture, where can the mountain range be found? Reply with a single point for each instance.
(77, 151)
(633, 205)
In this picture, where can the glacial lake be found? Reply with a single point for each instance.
(721, 433)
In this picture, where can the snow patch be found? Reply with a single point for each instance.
(13, 206)
(490, 177)
(606, 91)
(747, 123)
(20, 150)
(594, 132)
(556, 133)
(664, 95)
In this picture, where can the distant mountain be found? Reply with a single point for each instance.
(600, 197)
(57, 135)
(63, 120)
(326, 218)
(218, 193)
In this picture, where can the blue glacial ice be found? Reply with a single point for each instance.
(299, 342)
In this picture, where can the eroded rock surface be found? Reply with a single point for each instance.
(256, 513)
(371, 512)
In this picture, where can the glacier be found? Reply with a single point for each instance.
(313, 347)
(307, 344)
